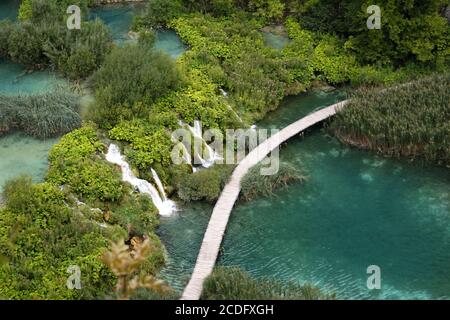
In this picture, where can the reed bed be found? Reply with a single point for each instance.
(410, 120)
(41, 116)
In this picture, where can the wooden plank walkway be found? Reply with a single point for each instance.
(219, 219)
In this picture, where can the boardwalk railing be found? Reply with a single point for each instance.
(219, 219)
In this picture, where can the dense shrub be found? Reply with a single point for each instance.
(411, 31)
(131, 78)
(207, 184)
(410, 120)
(41, 38)
(79, 53)
(231, 283)
(40, 238)
(41, 116)
(254, 184)
(75, 162)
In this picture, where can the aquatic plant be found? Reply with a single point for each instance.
(232, 283)
(410, 120)
(41, 116)
(254, 184)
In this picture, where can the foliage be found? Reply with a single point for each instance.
(232, 53)
(410, 120)
(75, 162)
(410, 31)
(131, 78)
(206, 184)
(41, 116)
(41, 38)
(231, 283)
(41, 238)
(125, 261)
(254, 184)
(150, 144)
(138, 215)
(79, 53)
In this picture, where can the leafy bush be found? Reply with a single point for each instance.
(207, 184)
(231, 283)
(160, 12)
(79, 53)
(40, 238)
(254, 184)
(74, 162)
(131, 76)
(41, 116)
(41, 38)
(410, 120)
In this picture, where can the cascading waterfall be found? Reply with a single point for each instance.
(159, 184)
(210, 155)
(165, 207)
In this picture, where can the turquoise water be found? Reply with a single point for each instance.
(119, 18)
(9, 9)
(14, 80)
(356, 210)
(21, 154)
(275, 41)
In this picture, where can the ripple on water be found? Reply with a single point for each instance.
(330, 229)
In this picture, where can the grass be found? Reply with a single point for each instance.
(41, 116)
(411, 120)
(255, 185)
(232, 283)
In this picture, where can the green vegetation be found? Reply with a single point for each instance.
(130, 80)
(41, 38)
(76, 161)
(254, 184)
(231, 283)
(207, 184)
(41, 237)
(141, 95)
(410, 120)
(41, 116)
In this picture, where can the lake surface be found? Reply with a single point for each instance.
(119, 17)
(356, 210)
(9, 9)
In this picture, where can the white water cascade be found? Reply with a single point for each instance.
(165, 207)
(159, 184)
(210, 155)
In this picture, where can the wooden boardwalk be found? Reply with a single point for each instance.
(222, 210)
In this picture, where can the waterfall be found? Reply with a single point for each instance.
(165, 207)
(223, 92)
(159, 184)
(210, 155)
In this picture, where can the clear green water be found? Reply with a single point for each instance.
(21, 154)
(356, 210)
(275, 41)
(9, 9)
(14, 80)
(119, 18)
